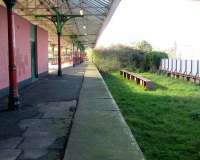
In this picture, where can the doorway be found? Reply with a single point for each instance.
(34, 73)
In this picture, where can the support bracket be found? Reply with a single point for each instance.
(59, 20)
(10, 3)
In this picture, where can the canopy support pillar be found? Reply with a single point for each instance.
(59, 20)
(13, 102)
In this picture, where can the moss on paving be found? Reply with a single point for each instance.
(166, 121)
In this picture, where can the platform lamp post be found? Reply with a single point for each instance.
(13, 102)
(59, 20)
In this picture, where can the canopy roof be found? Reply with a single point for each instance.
(97, 13)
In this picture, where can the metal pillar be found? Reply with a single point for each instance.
(76, 59)
(59, 20)
(180, 66)
(77, 55)
(59, 56)
(53, 53)
(73, 57)
(185, 74)
(13, 102)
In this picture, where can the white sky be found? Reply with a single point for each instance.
(161, 22)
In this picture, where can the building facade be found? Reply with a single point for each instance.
(31, 51)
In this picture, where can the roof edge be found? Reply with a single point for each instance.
(112, 10)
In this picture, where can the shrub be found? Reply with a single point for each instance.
(153, 59)
(105, 62)
(120, 56)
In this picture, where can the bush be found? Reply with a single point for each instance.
(153, 59)
(105, 62)
(117, 57)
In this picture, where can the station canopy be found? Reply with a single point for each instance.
(97, 14)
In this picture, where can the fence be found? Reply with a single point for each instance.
(187, 67)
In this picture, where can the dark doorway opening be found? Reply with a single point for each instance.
(34, 73)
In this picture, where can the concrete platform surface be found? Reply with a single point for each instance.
(39, 130)
(46, 122)
(99, 131)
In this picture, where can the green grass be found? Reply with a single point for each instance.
(165, 122)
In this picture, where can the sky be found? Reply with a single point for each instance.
(163, 23)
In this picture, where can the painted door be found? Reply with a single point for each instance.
(33, 52)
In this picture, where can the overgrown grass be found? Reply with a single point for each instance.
(165, 122)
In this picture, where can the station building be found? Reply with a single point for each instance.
(31, 51)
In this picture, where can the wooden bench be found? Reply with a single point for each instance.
(179, 74)
(168, 72)
(148, 84)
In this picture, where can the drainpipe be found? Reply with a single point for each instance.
(13, 102)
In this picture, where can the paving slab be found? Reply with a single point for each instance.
(99, 130)
(40, 154)
(10, 154)
(98, 104)
(102, 93)
(37, 142)
(100, 119)
(57, 109)
(33, 154)
(10, 143)
(52, 88)
(39, 129)
(55, 126)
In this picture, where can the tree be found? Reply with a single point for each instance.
(153, 59)
(144, 46)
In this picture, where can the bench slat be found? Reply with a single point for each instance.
(148, 84)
